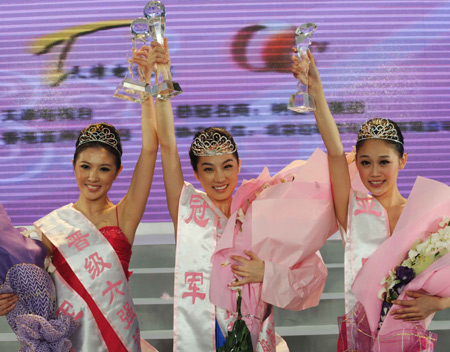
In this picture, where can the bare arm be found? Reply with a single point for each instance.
(173, 174)
(339, 175)
(132, 206)
(420, 307)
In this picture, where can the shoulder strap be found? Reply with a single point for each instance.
(117, 215)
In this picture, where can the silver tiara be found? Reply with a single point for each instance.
(100, 132)
(212, 143)
(378, 128)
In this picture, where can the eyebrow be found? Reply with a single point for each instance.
(380, 156)
(87, 162)
(211, 164)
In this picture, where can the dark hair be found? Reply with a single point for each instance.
(397, 146)
(211, 130)
(110, 142)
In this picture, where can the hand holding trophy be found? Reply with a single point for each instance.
(155, 12)
(147, 56)
(134, 86)
(301, 101)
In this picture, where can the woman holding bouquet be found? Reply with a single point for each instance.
(252, 258)
(376, 222)
(27, 285)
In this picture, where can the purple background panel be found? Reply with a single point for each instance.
(61, 61)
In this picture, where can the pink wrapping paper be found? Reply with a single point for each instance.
(428, 202)
(355, 336)
(284, 226)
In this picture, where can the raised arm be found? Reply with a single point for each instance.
(132, 206)
(339, 175)
(173, 174)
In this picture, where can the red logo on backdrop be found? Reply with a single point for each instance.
(261, 48)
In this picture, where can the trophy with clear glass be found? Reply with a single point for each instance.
(163, 88)
(301, 101)
(133, 87)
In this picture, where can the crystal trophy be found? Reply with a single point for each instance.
(133, 87)
(163, 88)
(302, 101)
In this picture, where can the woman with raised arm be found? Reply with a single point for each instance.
(90, 240)
(234, 261)
(378, 227)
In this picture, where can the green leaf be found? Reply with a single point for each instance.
(239, 338)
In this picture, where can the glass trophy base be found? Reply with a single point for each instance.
(132, 90)
(301, 102)
(166, 90)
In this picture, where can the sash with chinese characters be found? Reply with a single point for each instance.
(367, 229)
(96, 265)
(200, 225)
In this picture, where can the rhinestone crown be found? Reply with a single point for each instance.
(378, 128)
(212, 143)
(99, 132)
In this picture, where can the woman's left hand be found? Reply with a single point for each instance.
(418, 308)
(251, 270)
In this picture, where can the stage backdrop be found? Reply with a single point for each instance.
(61, 61)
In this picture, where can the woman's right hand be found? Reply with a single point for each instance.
(7, 303)
(305, 70)
(148, 58)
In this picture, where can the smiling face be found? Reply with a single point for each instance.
(218, 176)
(378, 164)
(95, 172)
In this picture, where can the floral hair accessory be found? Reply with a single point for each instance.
(378, 129)
(212, 143)
(100, 132)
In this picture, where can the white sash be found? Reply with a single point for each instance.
(96, 265)
(368, 227)
(87, 337)
(200, 224)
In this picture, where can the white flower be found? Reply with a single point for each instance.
(435, 238)
(422, 246)
(412, 254)
(392, 284)
(430, 249)
(421, 255)
(234, 288)
(408, 262)
(381, 293)
(440, 244)
(240, 215)
(444, 222)
(225, 263)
